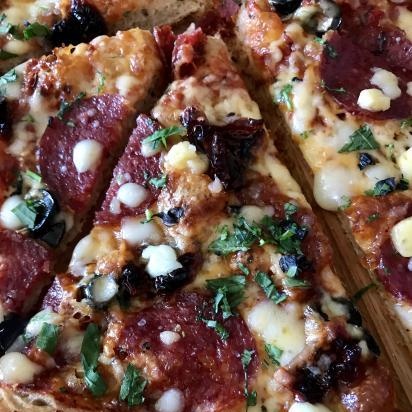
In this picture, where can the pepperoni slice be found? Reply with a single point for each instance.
(132, 167)
(24, 270)
(364, 43)
(99, 118)
(205, 368)
(188, 53)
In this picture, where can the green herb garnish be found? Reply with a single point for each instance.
(160, 137)
(35, 30)
(47, 338)
(132, 387)
(218, 327)
(246, 358)
(269, 288)
(158, 182)
(284, 96)
(361, 139)
(274, 353)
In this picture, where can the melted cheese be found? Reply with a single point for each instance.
(87, 155)
(401, 235)
(171, 400)
(404, 21)
(161, 259)
(387, 82)
(17, 368)
(36, 322)
(183, 156)
(254, 214)
(131, 194)
(169, 337)
(279, 325)
(405, 163)
(137, 232)
(374, 100)
(7, 218)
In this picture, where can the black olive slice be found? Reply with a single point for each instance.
(284, 7)
(10, 329)
(172, 216)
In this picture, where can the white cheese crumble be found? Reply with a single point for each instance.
(162, 260)
(135, 232)
(17, 368)
(171, 400)
(373, 100)
(183, 156)
(7, 218)
(168, 337)
(387, 82)
(401, 235)
(131, 194)
(87, 155)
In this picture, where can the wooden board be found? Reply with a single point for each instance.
(377, 312)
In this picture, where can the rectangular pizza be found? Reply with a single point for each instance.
(205, 283)
(340, 73)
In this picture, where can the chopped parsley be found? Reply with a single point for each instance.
(361, 139)
(274, 353)
(286, 235)
(346, 201)
(269, 288)
(383, 187)
(26, 213)
(35, 30)
(149, 216)
(218, 327)
(284, 96)
(373, 217)
(229, 293)
(132, 387)
(246, 358)
(65, 106)
(244, 269)
(160, 137)
(331, 89)
(330, 50)
(89, 355)
(304, 135)
(290, 209)
(292, 282)
(359, 294)
(158, 182)
(47, 338)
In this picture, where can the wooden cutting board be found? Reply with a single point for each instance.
(377, 313)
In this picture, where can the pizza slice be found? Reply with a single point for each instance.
(67, 118)
(340, 74)
(205, 283)
(31, 28)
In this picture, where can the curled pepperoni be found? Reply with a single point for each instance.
(25, 269)
(165, 39)
(132, 167)
(364, 43)
(205, 368)
(188, 53)
(220, 19)
(100, 118)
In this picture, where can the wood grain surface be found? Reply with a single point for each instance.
(376, 309)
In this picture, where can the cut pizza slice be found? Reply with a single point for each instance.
(205, 283)
(31, 28)
(68, 117)
(341, 75)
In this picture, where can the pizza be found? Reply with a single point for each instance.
(340, 73)
(156, 254)
(31, 28)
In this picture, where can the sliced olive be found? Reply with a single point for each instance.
(54, 234)
(284, 7)
(10, 329)
(46, 208)
(5, 121)
(132, 280)
(318, 20)
(365, 159)
(172, 216)
(171, 281)
(101, 290)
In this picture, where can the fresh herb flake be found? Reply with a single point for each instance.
(361, 139)
(101, 82)
(244, 269)
(406, 123)
(245, 359)
(218, 327)
(284, 96)
(26, 214)
(89, 355)
(269, 288)
(330, 50)
(382, 188)
(132, 387)
(158, 182)
(274, 353)
(332, 89)
(292, 282)
(345, 202)
(9, 77)
(35, 30)
(160, 137)
(65, 106)
(290, 209)
(47, 338)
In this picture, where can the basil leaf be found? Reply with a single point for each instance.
(35, 30)
(89, 355)
(4, 55)
(66, 106)
(361, 139)
(47, 338)
(158, 182)
(284, 96)
(290, 209)
(251, 398)
(160, 137)
(245, 359)
(296, 283)
(269, 288)
(274, 353)
(132, 387)
(383, 187)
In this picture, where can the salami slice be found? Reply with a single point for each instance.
(8, 170)
(365, 43)
(134, 168)
(102, 119)
(207, 369)
(25, 269)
